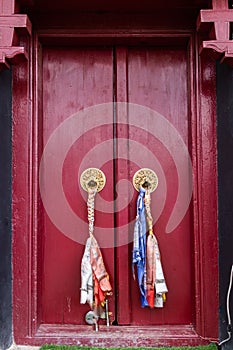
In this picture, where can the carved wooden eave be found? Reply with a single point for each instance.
(216, 23)
(12, 29)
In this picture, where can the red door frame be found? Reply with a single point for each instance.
(26, 324)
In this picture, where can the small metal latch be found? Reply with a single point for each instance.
(90, 318)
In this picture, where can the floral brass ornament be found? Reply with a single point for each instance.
(147, 178)
(92, 178)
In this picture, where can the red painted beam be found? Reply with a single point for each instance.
(215, 16)
(216, 23)
(7, 7)
(16, 21)
(219, 19)
(11, 28)
(15, 54)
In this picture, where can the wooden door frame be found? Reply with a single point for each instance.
(26, 128)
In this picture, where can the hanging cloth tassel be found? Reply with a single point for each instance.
(139, 246)
(95, 283)
(87, 276)
(87, 285)
(102, 286)
(156, 285)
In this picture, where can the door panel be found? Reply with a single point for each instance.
(73, 80)
(157, 79)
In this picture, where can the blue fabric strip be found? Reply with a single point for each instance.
(139, 247)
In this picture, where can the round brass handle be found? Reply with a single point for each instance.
(92, 178)
(146, 178)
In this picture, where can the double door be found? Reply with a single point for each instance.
(118, 109)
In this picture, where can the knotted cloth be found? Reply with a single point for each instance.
(94, 278)
(146, 256)
(155, 282)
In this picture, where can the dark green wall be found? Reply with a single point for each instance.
(225, 189)
(5, 210)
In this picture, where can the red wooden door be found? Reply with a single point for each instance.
(100, 108)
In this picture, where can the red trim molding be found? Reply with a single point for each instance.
(120, 336)
(12, 29)
(216, 23)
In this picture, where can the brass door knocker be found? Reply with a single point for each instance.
(145, 178)
(92, 178)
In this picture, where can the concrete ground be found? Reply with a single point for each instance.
(23, 347)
